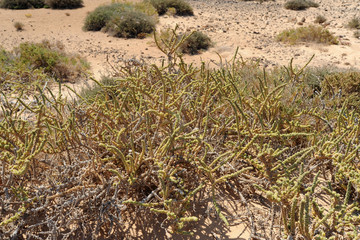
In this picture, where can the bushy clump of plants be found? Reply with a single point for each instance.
(130, 24)
(181, 6)
(316, 34)
(300, 4)
(22, 4)
(33, 64)
(190, 43)
(156, 146)
(123, 19)
(354, 23)
(196, 42)
(320, 19)
(64, 4)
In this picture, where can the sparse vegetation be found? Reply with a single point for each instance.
(64, 4)
(19, 26)
(320, 19)
(315, 34)
(182, 8)
(354, 23)
(300, 4)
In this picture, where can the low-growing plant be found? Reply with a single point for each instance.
(64, 4)
(354, 23)
(182, 8)
(97, 19)
(320, 19)
(196, 42)
(315, 34)
(130, 24)
(19, 26)
(300, 4)
(357, 34)
(22, 4)
(52, 60)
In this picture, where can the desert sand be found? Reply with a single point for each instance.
(250, 26)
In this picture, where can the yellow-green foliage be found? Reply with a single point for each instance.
(316, 34)
(32, 64)
(153, 144)
(341, 86)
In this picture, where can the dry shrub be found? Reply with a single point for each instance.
(320, 19)
(182, 8)
(196, 42)
(19, 26)
(315, 34)
(300, 4)
(354, 23)
(22, 4)
(130, 24)
(64, 4)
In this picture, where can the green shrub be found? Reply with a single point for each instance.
(300, 4)
(130, 24)
(354, 23)
(64, 4)
(98, 18)
(51, 59)
(197, 41)
(182, 8)
(22, 4)
(316, 34)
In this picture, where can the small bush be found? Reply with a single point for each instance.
(300, 4)
(98, 19)
(354, 23)
(22, 4)
(320, 19)
(182, 8)
(316, 34)
(197, 41)
(357, 34)
(51, 59)
(19, 26)
(64, 4)
(130, 24)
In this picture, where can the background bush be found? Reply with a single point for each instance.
(182, 8)
(98, 18)
(22, 4)
(196, 42)
(316, 34)
(130, 24)
(64, 4)
(51, 59)
(300, 4)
